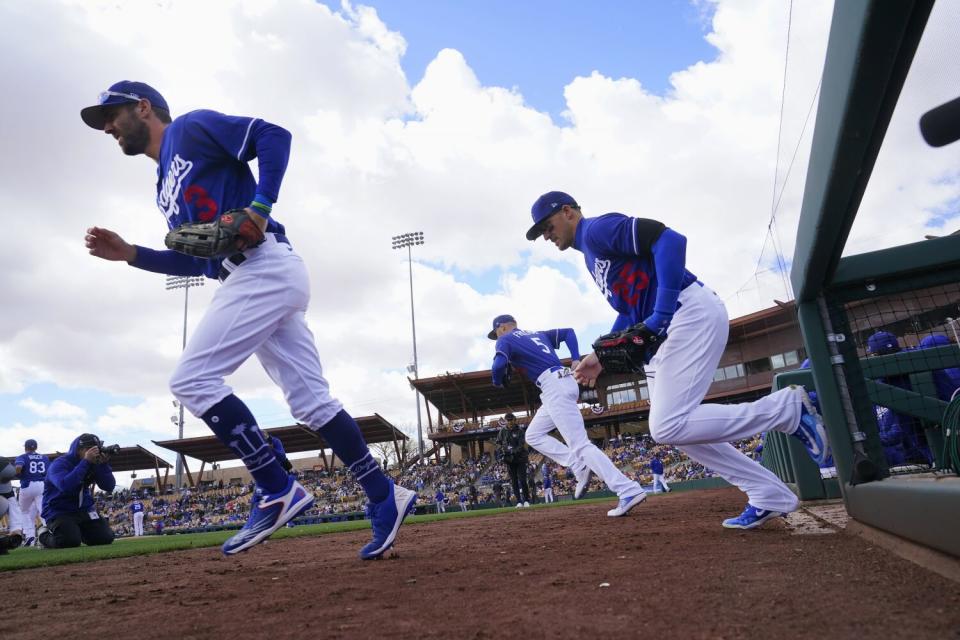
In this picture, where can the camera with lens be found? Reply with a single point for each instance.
(110, 449)
(10, 541)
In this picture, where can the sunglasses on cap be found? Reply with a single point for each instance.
(103, 96)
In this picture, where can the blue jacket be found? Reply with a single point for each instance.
(656, 466)
(63, 489)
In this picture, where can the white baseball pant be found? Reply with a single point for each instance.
(548, 495)
(658, 480)
(559, 394)
(138, 523)
(14, 519)
(260, 309)
(678, 377)
(31, 501)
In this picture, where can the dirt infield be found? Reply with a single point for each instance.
(538, 573)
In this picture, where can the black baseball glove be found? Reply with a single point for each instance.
(628, 350)
(232, 232)
(507, 376)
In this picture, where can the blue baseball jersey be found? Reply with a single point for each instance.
(136, 507)
(532, 352)
(656, 466)
(203, 171)
(33, 468)
(618, 252)
(547, 480)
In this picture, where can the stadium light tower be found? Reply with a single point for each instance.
(182, 282)
(408, 241)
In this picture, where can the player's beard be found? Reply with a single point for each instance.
(136, 139)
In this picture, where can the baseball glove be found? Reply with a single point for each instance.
(232, 232)
(628, 350)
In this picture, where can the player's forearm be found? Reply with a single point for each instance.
(168, 262)
(569, 337)
(499, 368)
(669, 258)
(272, 144)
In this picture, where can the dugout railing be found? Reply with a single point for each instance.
(908, 290)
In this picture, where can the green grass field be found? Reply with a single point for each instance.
(26, 558)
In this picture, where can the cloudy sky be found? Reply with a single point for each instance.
(443, 117)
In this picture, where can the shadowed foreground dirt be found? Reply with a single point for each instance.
(672, 572)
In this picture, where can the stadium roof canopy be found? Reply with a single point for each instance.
(295, 438)
(128, 459)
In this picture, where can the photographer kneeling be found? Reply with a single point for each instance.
(67, 500)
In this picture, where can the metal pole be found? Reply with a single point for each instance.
(183, 346)
(416, 365)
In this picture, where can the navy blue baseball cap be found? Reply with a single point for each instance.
(882, 342)
(545, 206)
(499, 320)
(30, 444)
(123, 92)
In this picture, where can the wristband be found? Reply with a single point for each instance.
(262, 205)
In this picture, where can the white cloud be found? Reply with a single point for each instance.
(374, 157)
(55, 409)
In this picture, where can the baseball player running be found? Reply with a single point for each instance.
(532, 353)
(260, 307)
(639, 266)
(32, 470)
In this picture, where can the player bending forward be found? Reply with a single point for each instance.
(259, 309)
(532, 353)
(639, 265)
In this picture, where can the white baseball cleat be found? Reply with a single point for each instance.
(626, 504)
(583, 481)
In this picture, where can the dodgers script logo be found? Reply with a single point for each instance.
(600, 270)
(170, 188)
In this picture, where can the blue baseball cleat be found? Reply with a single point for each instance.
(627, 503)
(751, 518)
(385, 520)
(269, 512)
(811, 431)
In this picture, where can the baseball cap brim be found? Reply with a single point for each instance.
(95, 116)
(537, 230)
(492, 335)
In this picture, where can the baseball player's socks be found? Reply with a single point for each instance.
(751, 518)
(343, 435)
(234, 425)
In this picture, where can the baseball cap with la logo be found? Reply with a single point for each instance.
(545, 206)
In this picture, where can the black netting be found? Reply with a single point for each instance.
(902, 362)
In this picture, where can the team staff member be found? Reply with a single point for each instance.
(510, 440)
(260, 309)
(67, 501)
(32, 470)
(639, 266)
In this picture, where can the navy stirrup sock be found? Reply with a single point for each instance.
(344, 437)
(234, 425)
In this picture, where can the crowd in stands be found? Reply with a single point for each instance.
(483, 481)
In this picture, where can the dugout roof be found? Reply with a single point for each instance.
(128, 459)
(458, 396)
(295, 438)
